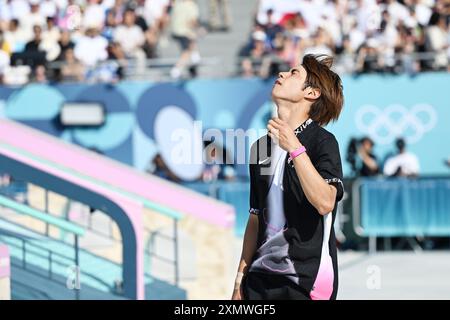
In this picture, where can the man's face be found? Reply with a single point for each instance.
(37, 32)
(367, 145)
(289, 85)
(129, 19)
(13, 25)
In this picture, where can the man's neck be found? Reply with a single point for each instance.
(294, 115)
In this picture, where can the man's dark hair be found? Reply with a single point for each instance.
(400, 144)
(319, 75)
(364, 139)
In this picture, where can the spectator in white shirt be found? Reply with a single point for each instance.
(423, 12)
(356, 37)
(50, 38)
(15, 36)
(368, 15)
(155, 13)
(263, 7)
(129, 34)
(5, 13)
(312, 12)
(131, 38)
(321, 43)
(4, 59)
(48, 8)
(14, 9)
(94, 14)
(91, 48)
(437, 40)
(403, 163)
(32, 18)
(397, 11)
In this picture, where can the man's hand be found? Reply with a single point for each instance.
(237, 294)
(283, 134)
(237, 291)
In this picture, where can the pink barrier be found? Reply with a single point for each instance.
(5, 265)
(132, 208)
(116, 173)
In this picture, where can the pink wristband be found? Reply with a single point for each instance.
(297, 152)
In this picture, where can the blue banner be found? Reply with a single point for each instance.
(139, 114)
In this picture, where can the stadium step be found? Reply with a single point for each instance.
(97, 274)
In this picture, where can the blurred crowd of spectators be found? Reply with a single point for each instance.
(365, 36)
(92, 40)
(101, 40)
(364, 163)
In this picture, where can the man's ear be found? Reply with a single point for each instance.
(312, 93)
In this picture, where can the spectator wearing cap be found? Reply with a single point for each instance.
(258, 51)
(259, 40)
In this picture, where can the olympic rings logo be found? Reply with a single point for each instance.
(385, 125)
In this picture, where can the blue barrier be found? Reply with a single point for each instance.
(402, 207)
(235, 193)
(382, 207)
